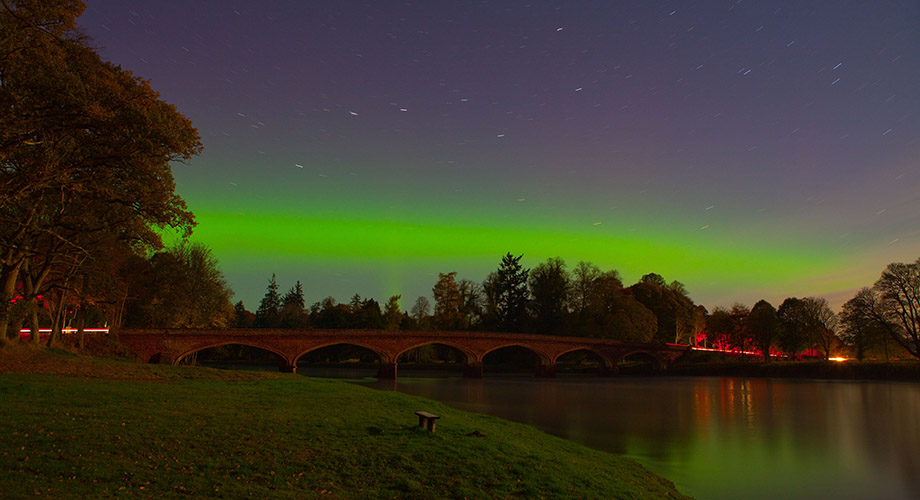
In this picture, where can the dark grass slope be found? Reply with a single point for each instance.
(192, 432)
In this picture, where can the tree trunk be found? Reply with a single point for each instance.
(7, 288)
(81, 323)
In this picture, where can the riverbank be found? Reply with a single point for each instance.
(832, 370)
(90, 427)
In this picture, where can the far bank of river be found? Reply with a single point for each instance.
(720, 437)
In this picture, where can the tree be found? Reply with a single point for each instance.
(392, 316)
(293, 311)
(792, 335)
(85, 148)
(549, 288)
(719, 327)
(242, 317)
(613, 313)
(268, 315)
(762, 326)
(821, 324)
(897, 308)
(420, 311)
(367, 315)
(738, 336)
(471, 310)
(674, 311)
(448, 302)
(859, 328)
(583, 276)
(509, 291)
(184, 288)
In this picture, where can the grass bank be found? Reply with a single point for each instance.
(108, 428)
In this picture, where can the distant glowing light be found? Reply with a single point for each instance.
(837, 359)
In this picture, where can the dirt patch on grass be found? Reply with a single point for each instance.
(65, 361)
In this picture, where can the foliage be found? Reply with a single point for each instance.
(85, 153)
(509, 292)
(420, 312)
(897, 304)
(268, 315)
(674, 311)
(613, 313)
(392, 315)
(762, 326)
(448, 303)
(821, 324)
(549, 288)
(859, 328)
(293, 311)
(792, 337)
(583, 277)
(182, 288)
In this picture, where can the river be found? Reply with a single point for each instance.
(720, 438)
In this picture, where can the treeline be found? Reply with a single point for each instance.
(881, 321)
(548, 299)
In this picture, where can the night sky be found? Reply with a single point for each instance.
(747, 149)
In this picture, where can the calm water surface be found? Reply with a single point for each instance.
(720, 438)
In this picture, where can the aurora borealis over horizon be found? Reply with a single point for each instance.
(747, 149)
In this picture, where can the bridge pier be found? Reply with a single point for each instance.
(286, 367)
(472, 369)
(386, 370)
(546, 371)
(608, 371)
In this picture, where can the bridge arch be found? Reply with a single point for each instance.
(608, 365)
(470, 355)
(255, 345)
(545, 366)
(657, 364)
(382, 355)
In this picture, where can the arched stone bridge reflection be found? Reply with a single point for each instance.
(171, 345)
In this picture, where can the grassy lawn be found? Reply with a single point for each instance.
(126, 430)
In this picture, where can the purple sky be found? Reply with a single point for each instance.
(790, 126)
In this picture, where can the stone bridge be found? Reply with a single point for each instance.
(172, 345)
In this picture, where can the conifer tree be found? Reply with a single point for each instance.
(268, 315)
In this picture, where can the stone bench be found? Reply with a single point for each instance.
(426, 419)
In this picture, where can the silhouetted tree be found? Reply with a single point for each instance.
(549, 288)
(583, 276)
(293, 311)
(420, 312)
(792, 336)
(185, 290)
(613, 313)
(674, 311)
(448, 303)
(392, 315)
(821, 323)
(268, 315)
(510, 294)
(367, 315)
(85, 148)
(762, 326)
(897, 306)
(859, 328)
(471, 310)
(243, 318)
(719, 327)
